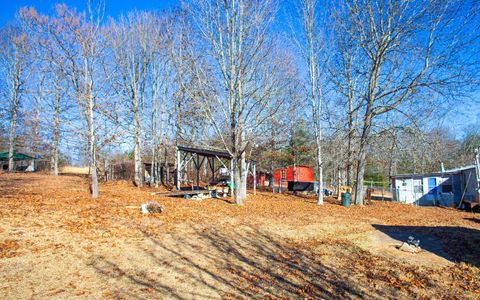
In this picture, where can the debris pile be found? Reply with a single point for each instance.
(201, 197)
(151, 208)
(411, 245)
(198, 197)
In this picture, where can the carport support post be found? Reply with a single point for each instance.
(197, 167)
(254, 179)
(178, 169)
(213, 170)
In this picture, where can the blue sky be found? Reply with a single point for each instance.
(113, 8)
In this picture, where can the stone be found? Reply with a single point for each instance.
(409, 248)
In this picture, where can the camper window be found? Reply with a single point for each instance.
(418, 186)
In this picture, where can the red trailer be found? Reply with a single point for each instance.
(294, 178)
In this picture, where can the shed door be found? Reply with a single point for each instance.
(432, 186)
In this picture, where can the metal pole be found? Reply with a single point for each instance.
(254, 179)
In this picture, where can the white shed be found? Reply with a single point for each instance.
(445, 188)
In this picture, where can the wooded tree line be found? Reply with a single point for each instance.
(352, 87)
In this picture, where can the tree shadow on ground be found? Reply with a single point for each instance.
(246, 263)
(312, 198)
(228, 200)
(456, 244)
(474, 220)
(11, 187)
(74, 175)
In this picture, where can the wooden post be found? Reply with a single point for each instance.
(192, 162)
(254, 179)
(273, 180)
(167, 175)
(213, 169)
(197, 169)
(179, 165)
(231, 175)
(280, 182)
(205, 170)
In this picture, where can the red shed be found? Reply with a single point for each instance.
(295, 178)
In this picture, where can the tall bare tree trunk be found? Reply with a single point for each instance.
(362, 154)
(367, 125)
(153, 168)
(91, 130)
(351, 135)
(154, 178)
(312, 50)
(154, 142)
(137, 145)
(319, 166)
(242, 191)
(93, 162)
(54, 153)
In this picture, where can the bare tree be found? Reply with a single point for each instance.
(344, 73)
(49, 67)
(235, 74)
(58, 91)
(409, 50)
(161, 78)
(132, 53)
(76, 37)
(309, 42)
(14, 60)
(90, 58)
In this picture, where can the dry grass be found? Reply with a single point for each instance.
(73, 170)
(275, 246)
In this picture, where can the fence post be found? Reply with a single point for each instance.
(254, 179)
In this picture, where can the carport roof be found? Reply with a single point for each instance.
(211, 152)
(16, 156)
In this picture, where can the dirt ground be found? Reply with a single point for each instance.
(56, 242)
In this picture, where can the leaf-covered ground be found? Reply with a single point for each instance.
(57, 242)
